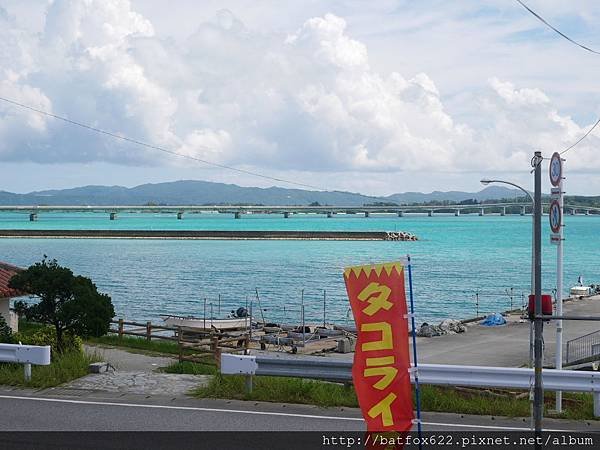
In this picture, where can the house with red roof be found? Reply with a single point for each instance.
(6, 293)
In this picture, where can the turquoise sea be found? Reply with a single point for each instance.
(454, 258)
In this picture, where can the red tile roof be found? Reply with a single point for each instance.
(6, 273)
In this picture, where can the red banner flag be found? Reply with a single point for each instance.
(381, 361)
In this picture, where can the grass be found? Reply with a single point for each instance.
(63, 368)
(191, 368)
(157, 346)
(278, 389)
(433, 398)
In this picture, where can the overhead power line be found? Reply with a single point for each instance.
(582, 138)
(161, 149)
(545, 22)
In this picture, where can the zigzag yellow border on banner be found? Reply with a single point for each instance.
(378, 268)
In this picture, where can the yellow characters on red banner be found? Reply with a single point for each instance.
(381, 369)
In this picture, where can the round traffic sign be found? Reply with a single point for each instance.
(555, 169)
(555, 216)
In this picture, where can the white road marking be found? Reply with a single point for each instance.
(258, 413)
(182, 408)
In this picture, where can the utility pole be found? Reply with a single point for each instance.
(538, 392)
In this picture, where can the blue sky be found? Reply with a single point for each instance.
(378, 97)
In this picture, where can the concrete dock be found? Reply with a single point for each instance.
(507, 345)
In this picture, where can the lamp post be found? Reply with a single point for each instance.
(485, 182)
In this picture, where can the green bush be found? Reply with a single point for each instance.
(47, 336)
(6, 335)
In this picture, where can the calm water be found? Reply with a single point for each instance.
(456, 257)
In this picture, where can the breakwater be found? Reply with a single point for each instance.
(212, 234)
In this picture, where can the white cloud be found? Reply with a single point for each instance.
(304, 100)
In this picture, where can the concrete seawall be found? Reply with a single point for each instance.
(207, 234)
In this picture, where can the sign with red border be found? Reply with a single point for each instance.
(555, 169)
(555, 216)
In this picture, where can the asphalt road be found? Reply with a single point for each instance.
(53, 410)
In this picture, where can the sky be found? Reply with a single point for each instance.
(374, 97)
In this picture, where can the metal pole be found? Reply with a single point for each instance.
(324, 306)
(303, 326)
(205, 314)
(511, 298)
(414, 342)
(219, 307)
(250, 333)
(559, 296)
(538, 392)
(477, 303)
(211, 315)
(27, 374)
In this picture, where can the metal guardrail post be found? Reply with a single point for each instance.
(27, 375)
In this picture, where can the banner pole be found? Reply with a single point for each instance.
(414, 342)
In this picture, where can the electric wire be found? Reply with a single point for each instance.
(582, 138)
(162, 149)
(545, 22)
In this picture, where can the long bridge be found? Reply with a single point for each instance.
(329, 210)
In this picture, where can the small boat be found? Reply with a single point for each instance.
(578, 291)
(202, 323)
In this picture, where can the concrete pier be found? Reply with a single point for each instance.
(237, 215)
(522, 210)
(113, 216)
(430, 213)
(400, 213)
(329, 214)
(33, 217)
(503, 211)
(180, 215)
(286, 215)
(481, 212)
(457, 212)
(367, 214)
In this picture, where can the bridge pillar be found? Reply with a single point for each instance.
(286, 215)
(367, 214)
(113, 216)
(572, 212)
(33, 217)
(329, 214)
(522, 210)
(457, 212)
(503, 211)
(430, 213)
(237, 215)
(180, 215)
(481, 212)
(587, 212)
(400, 213)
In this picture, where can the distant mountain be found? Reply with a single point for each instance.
(190, 192)
(488, 193)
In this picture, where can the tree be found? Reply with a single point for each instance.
(68, 302)
(5, 332)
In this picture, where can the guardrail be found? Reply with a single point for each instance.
(436, 374)
(583, 349)
(25, 354)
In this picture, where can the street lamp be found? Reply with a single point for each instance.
(485, 182)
